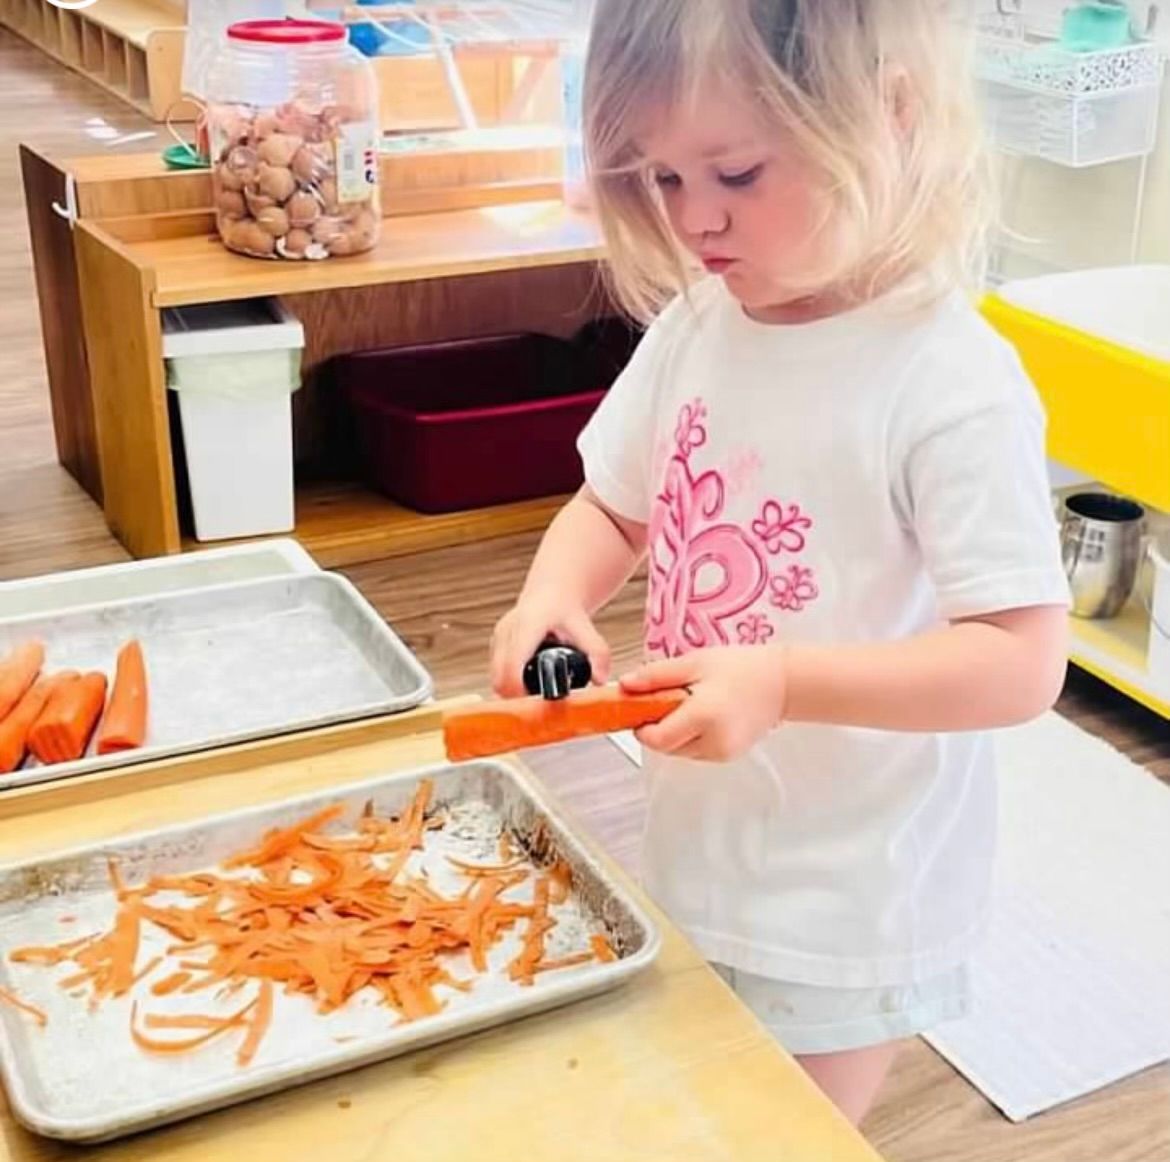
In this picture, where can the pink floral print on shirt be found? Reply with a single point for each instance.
(707, 573)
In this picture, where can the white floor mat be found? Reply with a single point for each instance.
(1073, 983)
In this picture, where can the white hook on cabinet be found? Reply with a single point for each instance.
(69, 210)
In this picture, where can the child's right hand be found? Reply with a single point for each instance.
(520, 631)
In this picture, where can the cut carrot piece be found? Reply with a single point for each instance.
(484, 869)
(169, 984)
(508, 724)
(573, 961)
(602, 949)
(18, 671)
(277, 842)
(146, 970)
(10, 998)
(562, 881)
(14, 730)
(259, 1026)
(124, 726)
(62, 731)
(151, 1045)
(523, 968)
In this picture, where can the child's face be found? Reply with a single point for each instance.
(738, 198)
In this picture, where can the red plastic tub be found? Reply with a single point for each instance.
(474, 422)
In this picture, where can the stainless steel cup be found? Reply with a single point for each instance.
(1101, 541)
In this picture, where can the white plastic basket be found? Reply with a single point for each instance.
(1073, 108)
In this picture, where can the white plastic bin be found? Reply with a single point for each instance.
(234, 368)
(1159, 655)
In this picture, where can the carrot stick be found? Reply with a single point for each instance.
(12, 999)
(62, 731)
(508, 724)
(602, 949)
(124, 727)
(18, 671)
(14, 730)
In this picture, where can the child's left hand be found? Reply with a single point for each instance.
(737, 697)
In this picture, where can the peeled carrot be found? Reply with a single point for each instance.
(18, 671)
(124, 726)
(62, 731)
(492, 728)
(15, 728)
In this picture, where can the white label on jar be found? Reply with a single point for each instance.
(357, 162)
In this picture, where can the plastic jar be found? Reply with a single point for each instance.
(293, 125)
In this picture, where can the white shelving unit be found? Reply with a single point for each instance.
(1076, 110)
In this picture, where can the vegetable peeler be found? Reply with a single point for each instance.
(555, 670)
(561, 705)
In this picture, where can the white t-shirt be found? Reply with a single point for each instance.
(859, 478)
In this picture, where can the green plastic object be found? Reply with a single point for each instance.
(1096, 26)
(184, 157)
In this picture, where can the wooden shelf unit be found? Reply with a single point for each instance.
(131, 48)
(497, 267)
(342, 524)
(188, 264)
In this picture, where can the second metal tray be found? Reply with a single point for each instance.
(231, 663)
(82, 1079)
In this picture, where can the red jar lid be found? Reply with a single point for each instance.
(286, 31)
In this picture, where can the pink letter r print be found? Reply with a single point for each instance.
(706, 573)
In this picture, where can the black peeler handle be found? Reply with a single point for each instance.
(556, 669)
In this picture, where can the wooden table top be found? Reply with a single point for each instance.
(670, 1067)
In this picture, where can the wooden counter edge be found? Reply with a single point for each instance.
(185, 769)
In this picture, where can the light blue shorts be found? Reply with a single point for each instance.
(813, 1019)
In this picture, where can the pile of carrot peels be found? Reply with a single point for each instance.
(321, 915)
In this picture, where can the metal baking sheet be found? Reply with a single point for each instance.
(230, 663)
(82, 1079)
(153, 576)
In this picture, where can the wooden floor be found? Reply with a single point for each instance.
(445, 604)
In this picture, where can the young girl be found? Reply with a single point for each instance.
(835, 473)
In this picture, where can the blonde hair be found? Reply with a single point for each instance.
(878, 95)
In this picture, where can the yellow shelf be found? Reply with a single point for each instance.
(1108, 407)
